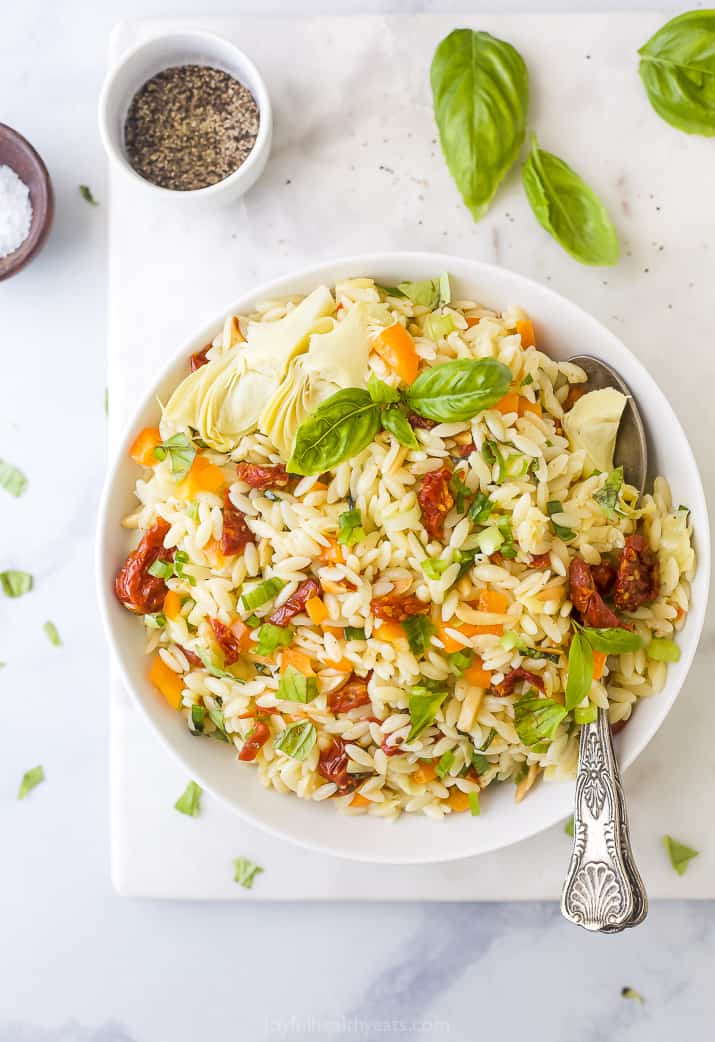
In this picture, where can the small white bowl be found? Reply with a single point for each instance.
(196, 48)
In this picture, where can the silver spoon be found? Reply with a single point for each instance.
(603, 891)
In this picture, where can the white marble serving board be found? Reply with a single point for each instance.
(356, 167)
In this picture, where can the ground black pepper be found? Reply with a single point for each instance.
(190, 126)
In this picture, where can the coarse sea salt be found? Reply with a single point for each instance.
(15, 211)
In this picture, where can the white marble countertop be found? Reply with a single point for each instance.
(78, 964)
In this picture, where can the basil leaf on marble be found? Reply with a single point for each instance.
(341, 427)
(458, 390)
(677, 68)
(568, 209)
(480, 89)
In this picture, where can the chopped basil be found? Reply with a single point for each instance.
(480, 762)
(508, 548)
(460, 489)
(492, 456)
(425, 700)
(489, 739)
(354, 633)
(460, 661)
(213, 667)
(444, 763)
(569, 826)
(252, 621)
(181, 453)
(513, 640)
(580, 670)
(429, 293)
(351, 530)
(607, 497)
(161, 569)
(661, 649)
(297, 740)
(554, 507)
(197, 720)
(271, 637)
(190, 800)
(52, 634)
(12, 479)
(679, 854)
(30, 780)
(157, 621)
(86, 192)
(474, 808)
(480, 509)
(528, 379)
(295, 687)
(262, 593)
(537, 719)
(245, 872)
(465, 559)
(14, 583)
(631, 993)
(419, 630)
(217, 719)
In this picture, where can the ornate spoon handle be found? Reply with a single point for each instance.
(603, 890)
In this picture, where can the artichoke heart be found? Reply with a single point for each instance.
(335, 359)
(223, 400)
(592, 424)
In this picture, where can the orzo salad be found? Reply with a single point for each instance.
(383, 551)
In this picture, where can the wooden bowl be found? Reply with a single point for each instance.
(20, 156)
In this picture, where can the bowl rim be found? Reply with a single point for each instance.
(39, 229)
(246, 172)
(325, 271)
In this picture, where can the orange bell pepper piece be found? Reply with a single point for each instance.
(450, 644)
(172, 604)
(477, 675)
(473, 320)
(526, 406)
(396, 348)
(343, 666)
(317, 612)
(509, 403)
(359, 800)
(332, 554)
(492, 601)
(424, 772)
(599, 664)
(167, 681)
(298, 660)
(203, 477)
(390, 632)
(525, 329)
(142, 450)
(458, 801)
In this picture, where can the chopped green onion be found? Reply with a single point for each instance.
(661, 649)
(192, 511)
(245, 872)
(15, 584)
(480, 509)
(12, 479)
(528, 379)
(354, 633)
(351, 530)
(508, 547)
(474, 808)
(271, 637)
(490, 738)
(161, 569)
(554, 507)
(30, 780)
(460, 661)
(217, 719)
(425, 700)
(679, 854)
(479, 762)
(444, 763)
(607, 497)
(52, 634)
(181, 558)
(157, 621)
(295, 687)
(262, 593)
(181, 454)
(190, 800)
(489, 540)
(434, 567)
(460, 489)
(585, 714)
(492, 456)
(197, 720)
(419, 630)
(438, 326)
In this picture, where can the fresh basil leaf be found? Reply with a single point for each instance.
(212, 667)
(181, 453)
(297, 740)
(631, 993)
(245, 872)
(262, 593)
(271, 637)
(395, 421)
(661, 649)
(580, 670)
(197, 720)
(434, 567)
(460, 661)
(677, 68)
(389, 291)
(480, 509)
(465, 559)
(460, 490)
(341, 427)
(217, 719)
(15, 584)
(569, 826)
(537, 719)
(480, 89)
(192, 510)
(679, 854)
(444, 764)
(157, 621)
(30, 780)
(419, 630)
(554, 507)
(86, 192)
(489, 739)
(12, 479)
(295, 687)
(539, 653)
(350, 530)
(52, 634)
(568, 209)
(492, 456)
(429, 293)
(424, 704)
(189, 802)
(474, 808)
(354, 633)
(161, 569)
(458, 390)
(607, 497)
(528, 379)
(611, 640)
(480, 762)
(380, 392)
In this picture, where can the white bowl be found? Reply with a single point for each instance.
(140, 63)
(563, 329)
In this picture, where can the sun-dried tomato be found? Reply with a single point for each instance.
(638, 578)
(191, 657)
(466, 450)
(295, 603)
(199, 359)
(396, 607)
(573, 394)
(392, 749)
(436, 500)
(604, 576)
(236, 534)
(586, 599)
(541, 560)
(227, 640)
(619, 725)
(257, 738)
(420, 423)
(138, 590)
(333, 766)
(350, 696)
(269, 476)
(511, 679)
